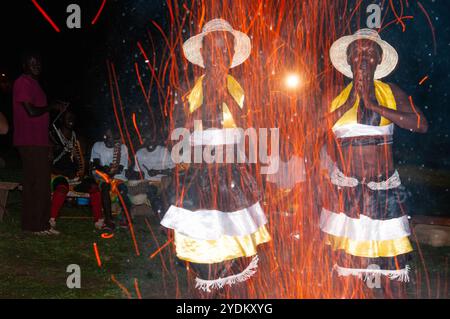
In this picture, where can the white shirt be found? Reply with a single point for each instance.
(289, 173)
(105, 155)
(158, 159)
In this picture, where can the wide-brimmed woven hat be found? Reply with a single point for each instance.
(338, 53)
(242, 43)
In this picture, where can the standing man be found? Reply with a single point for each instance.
(3, 125)
(31, 137)
(364, 218)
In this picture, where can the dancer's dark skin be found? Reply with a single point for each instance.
(217, 52)
(370, 161)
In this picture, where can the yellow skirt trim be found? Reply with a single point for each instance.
(224, 248)
(370, 248)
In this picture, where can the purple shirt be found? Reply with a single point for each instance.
(29, 131)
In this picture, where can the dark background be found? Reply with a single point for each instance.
(75, 70)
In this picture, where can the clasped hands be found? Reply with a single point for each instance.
(362, 88)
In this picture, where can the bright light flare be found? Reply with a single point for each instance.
(292, 81)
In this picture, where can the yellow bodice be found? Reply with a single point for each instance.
(383, 94)
(195, 99)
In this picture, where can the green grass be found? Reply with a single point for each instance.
(430, 276)
(35, 267)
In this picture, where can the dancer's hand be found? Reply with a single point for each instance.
(353, 96)
(369, 103)
(358, 83)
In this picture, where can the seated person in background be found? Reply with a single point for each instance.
(68, 170)
(154, 163)
(109, 162)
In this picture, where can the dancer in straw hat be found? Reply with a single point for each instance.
(217, 219)
(365, 218)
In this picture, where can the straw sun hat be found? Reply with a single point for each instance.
(338, 53)
(242, 43)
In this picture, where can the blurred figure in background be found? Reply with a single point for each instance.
(155, 165)
(4, 127)
(5, 111)
(69, 170)
(31, 137)
(109, 163)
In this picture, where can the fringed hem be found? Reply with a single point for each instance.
(207, 285)
(401, 275)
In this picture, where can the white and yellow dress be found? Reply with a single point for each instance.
(216, 215)
(367, 219)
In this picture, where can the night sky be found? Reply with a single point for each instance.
(75, 68)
